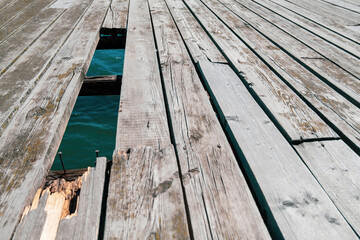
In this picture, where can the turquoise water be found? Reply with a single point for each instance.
(92, 125)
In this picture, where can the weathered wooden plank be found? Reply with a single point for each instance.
(142, 117)
(10, 52)
(86, 223)
(100, 79)
(22, 18)
(334, 26)
(336, 168)
(4, 4)
(32, 225)
(40, 122)
(145, 199)
(344, 4)
(19, 80)
(117, 15)
(199, 44)
(338, 112)
(316, 54)
(318, 30)
(62, 4)
(13, 10)
(215, 189)
(295, 204)
(330, 12)
(295, 119)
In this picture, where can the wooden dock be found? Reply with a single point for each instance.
(238, 119)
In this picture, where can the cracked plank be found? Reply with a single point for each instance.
(117, 15)
(332, 64)
(295, 119)
(145, 198)
(199, 44)
(30, 143)
(295, 205)
(215, 188)
(20, 79)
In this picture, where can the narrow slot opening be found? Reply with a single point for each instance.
(92, 125)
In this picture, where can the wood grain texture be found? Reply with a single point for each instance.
(32, 225)
(199, 44)
(312, 27)
(145, 199)
(13, 10)
(142, 117)
(117, 15)
(4, 4)
(19, 80)
(12, 47)
(296, 206)
(30, 143)
(343, 4)
(330, 24)
(86, 222)
(338, 112)
(322, 58)
(294, 117)
(328, 11)
(21, 19)
(336, 168)
(215, 189)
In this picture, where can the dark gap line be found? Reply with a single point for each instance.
(250, 179)
(307, 102)
(248, 85)
(298, 142)
(348, 38)
(348, 9)
(104, 201)
(303, 27)
(171, 131)
(314, 72)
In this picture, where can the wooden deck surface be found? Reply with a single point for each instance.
(238, 119)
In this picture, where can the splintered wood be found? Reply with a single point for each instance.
(66, 210)
(238, 119)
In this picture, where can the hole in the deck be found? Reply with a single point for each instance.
(92, 125)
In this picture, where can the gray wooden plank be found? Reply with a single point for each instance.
(4, 4)
(32, 225)
(320, 57)
(142, 117)
(13, 47)
(145, 199)
(293, 200)
(13, 10)
(86, 223)
(337, 111)
(340, 29)
(41, 121)
(331, 12)
(22, 76)
(345, 5)
(296, 120)
(318, 30)
(336, 168)
(117, 15)
(199, 44)
(21, 19)
(213, 182)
